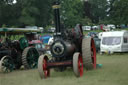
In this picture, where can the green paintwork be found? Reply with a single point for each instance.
(23, 43)
(19, 30)
(32, 57)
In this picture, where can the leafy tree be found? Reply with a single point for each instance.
(95, 10)
(118, 15)
(72, 12)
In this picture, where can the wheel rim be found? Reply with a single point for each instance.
(32, 57)
(80, 65)
(93, 53)
(45, 69)
(7, 64)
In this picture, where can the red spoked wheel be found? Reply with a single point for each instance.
(78, 64)
(43, 70)
(89, 53)
(93, 53)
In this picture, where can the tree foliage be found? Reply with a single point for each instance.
(95, 10)
(40, 12)
(72, 12)
(119, 12)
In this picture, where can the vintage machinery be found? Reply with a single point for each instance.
(69, 49)
(15, 49)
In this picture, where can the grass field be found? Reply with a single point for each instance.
(113, 72)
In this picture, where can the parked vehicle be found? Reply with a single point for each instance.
(38, 45)
(114, 41)
(95, 27)
(97, 43)
(41, 29)
(69, 49)
(111, 26)
(45, 38)
(15, 50)
(94, 35)
(86, 28)
(52, 29)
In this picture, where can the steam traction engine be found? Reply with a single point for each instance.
(15, 49)
(69, 49)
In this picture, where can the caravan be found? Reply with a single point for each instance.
(114, 41)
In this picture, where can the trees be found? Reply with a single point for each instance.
(36, 12)
(71, 12)
(40, 12)
(25, 12)
(95, 10)
(118, 13)
(9, 13)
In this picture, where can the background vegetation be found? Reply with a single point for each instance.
(40, 13)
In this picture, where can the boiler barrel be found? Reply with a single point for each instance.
(62, 48)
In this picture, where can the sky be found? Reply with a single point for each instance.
(14, 1)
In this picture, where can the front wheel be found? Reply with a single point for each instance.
(78, 64)
(6, 64)
(44, 72)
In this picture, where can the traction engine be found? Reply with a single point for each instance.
(69, 49)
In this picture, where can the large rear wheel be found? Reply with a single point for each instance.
(89, 53)
(77, 64)
(30, 57)
(44, 72)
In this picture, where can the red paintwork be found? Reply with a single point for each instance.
(80, 65)
(52, 64)
(35, 41)
(93, 49)
(45, 69)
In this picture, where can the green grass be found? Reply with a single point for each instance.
(113, 72)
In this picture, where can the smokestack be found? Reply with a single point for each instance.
(56, 7)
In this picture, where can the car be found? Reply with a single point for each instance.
(94, 27)
(41, 28)
(97, 44)
(87, 28)
(52, 29)
(92, 34)
(111, 26)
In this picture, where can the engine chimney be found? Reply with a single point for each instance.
(56, 7)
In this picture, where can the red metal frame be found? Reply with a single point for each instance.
(93, 49)
(56, 64)
(45, 68)
(80, 65)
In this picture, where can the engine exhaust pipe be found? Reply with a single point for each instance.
(56, 7)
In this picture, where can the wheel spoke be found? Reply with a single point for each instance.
(80, 63)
